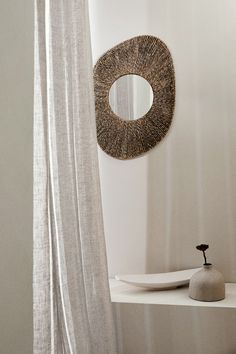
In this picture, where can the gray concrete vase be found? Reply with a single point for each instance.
(207, 284)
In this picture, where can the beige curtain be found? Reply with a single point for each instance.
(72, 310)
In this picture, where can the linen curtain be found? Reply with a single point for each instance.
(72, 310)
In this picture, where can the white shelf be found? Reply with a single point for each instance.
(124, 293)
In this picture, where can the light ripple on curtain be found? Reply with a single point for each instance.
(72, 310)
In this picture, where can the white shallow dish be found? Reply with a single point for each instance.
(160, 281)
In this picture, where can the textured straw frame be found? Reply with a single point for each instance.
(148, 57)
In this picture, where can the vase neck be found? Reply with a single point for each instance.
(207, 266)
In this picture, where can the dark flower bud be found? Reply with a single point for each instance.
(202, 247)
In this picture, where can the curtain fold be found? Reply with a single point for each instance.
(72, 310)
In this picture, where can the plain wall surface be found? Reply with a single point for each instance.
(16, 116)
(158, 207)
(123, 183)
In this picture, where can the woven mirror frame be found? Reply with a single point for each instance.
(148, 57)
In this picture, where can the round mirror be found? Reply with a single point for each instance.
(131, 97)
(133, 60)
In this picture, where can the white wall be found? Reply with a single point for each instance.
(123, 183)
(16, 105)
(158, 207)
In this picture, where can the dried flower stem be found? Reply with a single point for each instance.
(203, 248)
(204, 255)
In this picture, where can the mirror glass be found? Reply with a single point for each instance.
(131, 97)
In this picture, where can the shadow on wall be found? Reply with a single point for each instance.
(191, 174)
(173, 227)
(188, 202)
